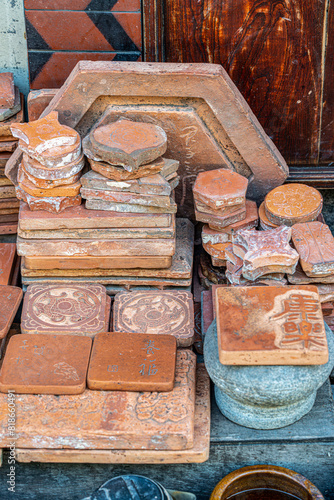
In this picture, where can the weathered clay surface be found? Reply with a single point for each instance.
(7, 258)
(46, 183)
(197, 454)
(293, 203)
(58, 156)
(81, 218)
(37, 101)
(122, 361)
(216, 250)
(17, 118)
(48, 203)
(6, 113)
(315, 244)
(7, 93)
(119, 173)
(265, 223)
(220, 212)
(92, 247)
(264, 249)
(9, 203)
(71, 309)
(5, 182)
(128, 143)
(10, 300)
(250, 221)
(94, 204)
(69, 169)
(300, 278)
(149, 420)
(218, 262)
(127, 198)
(40, 364)
(270, 326)
(165, 312)
(220, 188)
(150, 185)
(213, 236)
(62, 190)
(4, 157)
(9, 146)
(221, 222)
(7, 192)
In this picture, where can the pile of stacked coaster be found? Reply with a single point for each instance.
(48, 177)
(11, 111)
(65, 362)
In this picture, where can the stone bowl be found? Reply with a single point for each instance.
(264, 397)
(277, 479)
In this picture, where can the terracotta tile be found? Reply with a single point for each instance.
(119, 173)
(327, 309)
(4, 157)
(38, 101)
(249, 222)
(132, 362)
(48, 184)
(96, 204)
(221, 221)
(71, 309)
(300, 278)
(270, 326)
(44, 364)
(293, 203)
(5, 182)
(220, 188)
(8, 228)
(69, 169)
(315, 244)
(220, 212)
(155, 312)
(7, 192)
(127, 198)
(9, 203)
(265, 223)
(67, 190)
(9, 217)
(81, 218)
(9, 146)
(7, 92)
(7, 258)
(6, 113)
(10, 300)
(54, 205)
(267, 251)
(216, 250)
(109, 419)
(17, 118)
(213, 236)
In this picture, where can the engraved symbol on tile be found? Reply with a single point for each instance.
(66, 371)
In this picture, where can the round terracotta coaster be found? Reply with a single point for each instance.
(293, 203)
(265, 223)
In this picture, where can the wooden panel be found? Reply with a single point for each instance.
(327, 128)
(272, 50)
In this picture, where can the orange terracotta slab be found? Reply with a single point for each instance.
(7, 113)
(213, 236)
(45, 364)
(7, 94)
(132, 362)
(7, 258)
(9, 203)
(67, 166)
(221, 221)
(82, 218)
(49, 204)
(89, 263)
(300, 278)
(220, 212)
(265, 223)
(128, 143)
(37, 101)
(293, 203)
(220, 188)
(9, 146)
(156, 312)
(197, 454)
(115, 173)
(216, 250)
(10, 300)
(315, 244)
(62, 190)
(250, 221)
(7, 192)
(128, 198)
(270, 326)
(97, 420)
(64, 309)
(45, 183)
(17, 118)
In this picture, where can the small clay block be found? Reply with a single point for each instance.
(132, 362)
(64, 309)
(7, 192)
(49, 204)
(130, 198)
(315, 244)
(293, 203)
(300, 278)
(220, 221)
(220, 212)
(6, 113)
(156, 312)
(270, 326)
(64, 168)
(45, 364)
(46, 183)
(81, 218)
(95, 204)
(220, 188)
(8, 146)
(7, 92)
(5, 125)
(7, 258)
(10, 300)
(62, 190)
(119, 173)
(129, 144)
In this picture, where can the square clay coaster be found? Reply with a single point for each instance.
(10, 299)
(270, 326)
(157, 312)
(65, 309)
(132, 362)
(45, 364)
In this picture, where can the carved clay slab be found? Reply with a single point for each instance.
(48, 203)
(293, 203)
(7, 93)
(67, 309)
(208, 124)
(82, 218)
(220, 188)
(132, 362)
(156, 312)
(128, 143)
(97, 420)
(197, 454)
(40, 364)
(315, 244)
(7, 257)
(250, 221)
(10, 300)
(127, 198)
(270, 326)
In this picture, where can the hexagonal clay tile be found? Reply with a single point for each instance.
(220, 188)
(207, 121)
(129, 144)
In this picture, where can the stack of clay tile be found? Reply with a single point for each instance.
(48, 177)
(11, 111)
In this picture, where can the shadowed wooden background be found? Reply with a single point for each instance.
(280, 55)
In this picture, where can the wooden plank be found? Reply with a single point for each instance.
(272, 51)
(153, 30)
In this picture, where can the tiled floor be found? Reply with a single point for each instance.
(62, 32)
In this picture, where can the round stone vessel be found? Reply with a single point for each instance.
(264, 397)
